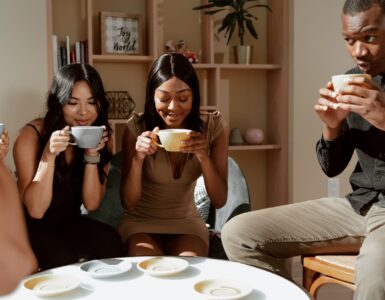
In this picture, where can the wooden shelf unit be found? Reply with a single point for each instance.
(228, 87)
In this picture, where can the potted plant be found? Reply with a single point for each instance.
(239, 17)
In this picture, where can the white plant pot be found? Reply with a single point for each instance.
(243, 54)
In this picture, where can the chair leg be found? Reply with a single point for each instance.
(309, 276)
(322, 280)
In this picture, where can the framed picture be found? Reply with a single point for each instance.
(120, 33)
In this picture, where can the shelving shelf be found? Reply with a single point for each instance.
(262, 67)
(247, 95)
(121, 58)
(254, 147)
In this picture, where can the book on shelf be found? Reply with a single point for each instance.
(77, 52)
(55, 54)
(63, 53)
(68, 48)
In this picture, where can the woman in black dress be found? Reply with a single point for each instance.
(56, 178)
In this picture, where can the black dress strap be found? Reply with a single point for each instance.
(37, 131)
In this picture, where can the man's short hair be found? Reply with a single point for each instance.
(352, 7)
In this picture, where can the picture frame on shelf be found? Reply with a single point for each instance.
(121, 33)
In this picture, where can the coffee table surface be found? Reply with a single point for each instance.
(135, 284)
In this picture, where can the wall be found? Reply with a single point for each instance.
(23, 71)
(318, 51)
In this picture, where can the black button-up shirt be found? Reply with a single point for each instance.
(368, 177)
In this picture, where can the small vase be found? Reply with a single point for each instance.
(254, 136)
(243, 54)
(236, 137)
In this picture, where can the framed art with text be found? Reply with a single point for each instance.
(120, 33)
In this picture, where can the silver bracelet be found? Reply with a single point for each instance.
(88, 159)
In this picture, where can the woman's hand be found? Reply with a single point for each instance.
(145, 144)
(4, 144)
(59, 141)
(196, 145)
(101, 145)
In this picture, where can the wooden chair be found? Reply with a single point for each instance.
(324, 269)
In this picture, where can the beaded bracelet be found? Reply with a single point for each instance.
(88, 159)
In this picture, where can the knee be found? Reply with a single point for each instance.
(370, 272)
(237, 233)
(243, 229)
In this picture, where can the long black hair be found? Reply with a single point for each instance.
(167, 66)
(59, 95)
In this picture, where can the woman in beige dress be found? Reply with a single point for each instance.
(157, 186)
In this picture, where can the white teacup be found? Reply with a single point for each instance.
(339, 81)
(2, 126)
(171, 138)
(86, 136)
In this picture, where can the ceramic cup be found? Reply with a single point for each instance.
(86, 136)
(339, 81)
(2, 126)
(170, 139)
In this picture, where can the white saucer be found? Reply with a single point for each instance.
(163, 266)
(48, 285)
(105, 267)
(221, 288)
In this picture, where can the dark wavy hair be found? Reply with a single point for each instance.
(352, 7)
(59, 95)
(167, 66)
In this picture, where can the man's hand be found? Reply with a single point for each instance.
(327, 107)
(366, 98)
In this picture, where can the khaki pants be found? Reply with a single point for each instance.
(267, 237)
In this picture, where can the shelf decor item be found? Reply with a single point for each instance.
(238, 16)
(254, 136)
(121, 104)
(236, 137)
(120, 33)
(182, 48)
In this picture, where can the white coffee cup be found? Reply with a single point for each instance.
(86, 136)
(340, 81)
(2, 126)
(171, 139)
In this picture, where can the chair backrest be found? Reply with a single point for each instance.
(238, 198)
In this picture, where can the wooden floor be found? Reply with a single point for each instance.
(327, 292)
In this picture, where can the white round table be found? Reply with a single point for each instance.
(134, 284)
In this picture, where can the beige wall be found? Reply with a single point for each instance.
(318, 51)
(23, 67)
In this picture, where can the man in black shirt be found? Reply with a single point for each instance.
(353, 120)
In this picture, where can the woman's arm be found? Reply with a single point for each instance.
(132, 166)
(135, 151)
(35, 174)
(16, 256)
(214, 165)
(93, 190)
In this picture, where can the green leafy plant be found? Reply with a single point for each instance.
(238, 16)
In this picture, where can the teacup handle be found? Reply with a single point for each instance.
(156, 143)
(72, 137)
